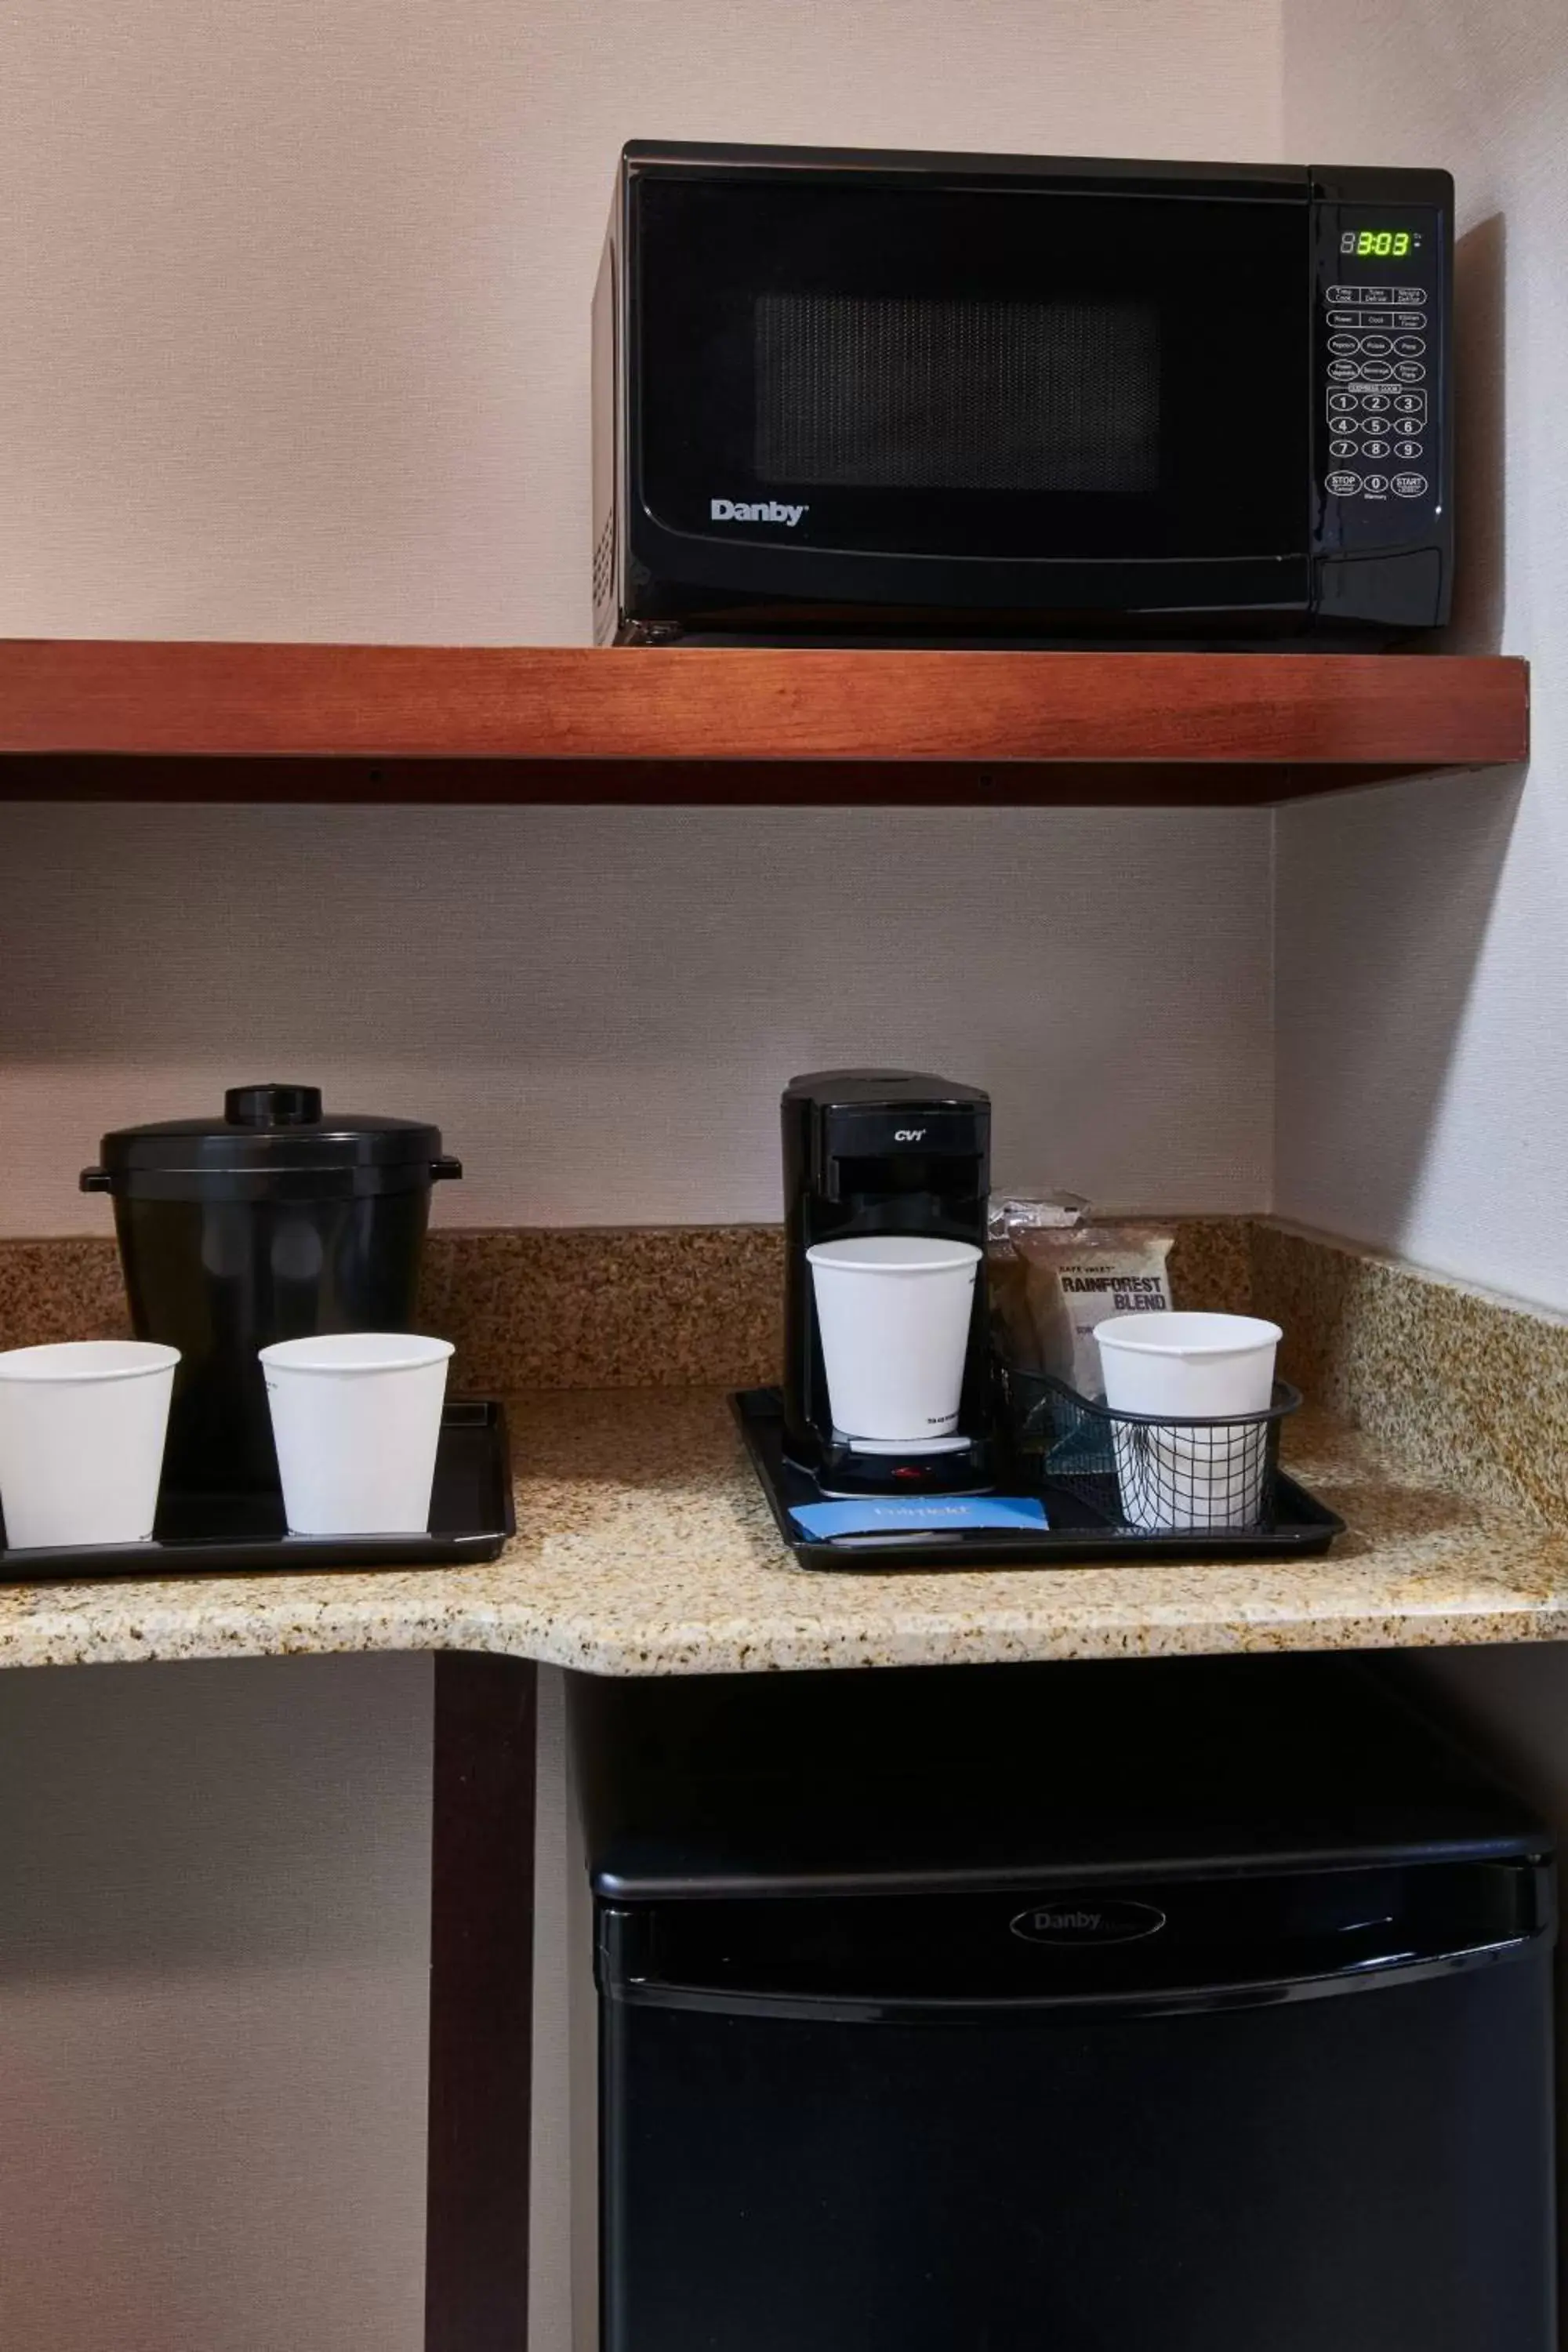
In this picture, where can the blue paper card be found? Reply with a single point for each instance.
(920, 1515)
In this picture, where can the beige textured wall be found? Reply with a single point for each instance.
(296, 292)
(295, 299)
(599, 1006)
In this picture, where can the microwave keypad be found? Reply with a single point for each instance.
(1377, 378)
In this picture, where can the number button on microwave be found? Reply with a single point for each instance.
(1348, 449)
(1342, 401)
(1401, 449)
(1410, 403)
(1377, 401)
(1374, 448)
(1375, 485)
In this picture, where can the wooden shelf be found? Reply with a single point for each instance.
(95, 719)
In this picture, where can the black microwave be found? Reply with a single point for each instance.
(907, 395)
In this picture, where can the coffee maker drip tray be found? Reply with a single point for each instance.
(930, 1465)
(1021, 1522)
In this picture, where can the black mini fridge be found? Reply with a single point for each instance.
(1193, 2006)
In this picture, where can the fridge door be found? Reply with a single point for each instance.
(1189, 2158)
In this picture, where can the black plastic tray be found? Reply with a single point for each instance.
(218, 1534)
(1084, 1526)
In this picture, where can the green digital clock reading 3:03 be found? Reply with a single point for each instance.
(1368, 244)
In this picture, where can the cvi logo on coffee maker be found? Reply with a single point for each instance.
(758, 510)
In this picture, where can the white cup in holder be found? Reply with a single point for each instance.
(1181, 1367)
(894, 1312)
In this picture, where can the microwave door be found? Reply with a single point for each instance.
(1053, 398)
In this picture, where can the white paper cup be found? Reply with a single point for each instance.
(356, 1418)
(894, 1312)
(1189, 1367)
(82, 1427)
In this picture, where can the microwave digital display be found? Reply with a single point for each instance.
(1380, 244)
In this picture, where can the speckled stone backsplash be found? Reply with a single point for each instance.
(588, 1308)
(60, 1290)
(1468, 1389)
(594, 1308)
(608, 1307)
(670, 1306)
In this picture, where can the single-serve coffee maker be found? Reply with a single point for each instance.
(886, 1374)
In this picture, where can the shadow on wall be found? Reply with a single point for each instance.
(1384, 905)
(1480, 396)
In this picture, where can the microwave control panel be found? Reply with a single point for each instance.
(1377, 332)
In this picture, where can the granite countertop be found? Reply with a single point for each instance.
(645, 1547)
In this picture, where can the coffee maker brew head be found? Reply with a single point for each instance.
(882, 1152)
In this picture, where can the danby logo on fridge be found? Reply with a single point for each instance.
(1089, 1922)
(758, 510)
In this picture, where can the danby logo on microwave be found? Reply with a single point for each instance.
(758, 510)
(1089, 1921)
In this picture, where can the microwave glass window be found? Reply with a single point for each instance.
(889, 392)
(972, 372)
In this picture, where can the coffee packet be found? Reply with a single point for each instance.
(1056, 1273)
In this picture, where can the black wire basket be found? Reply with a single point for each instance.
(1138, 1471)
